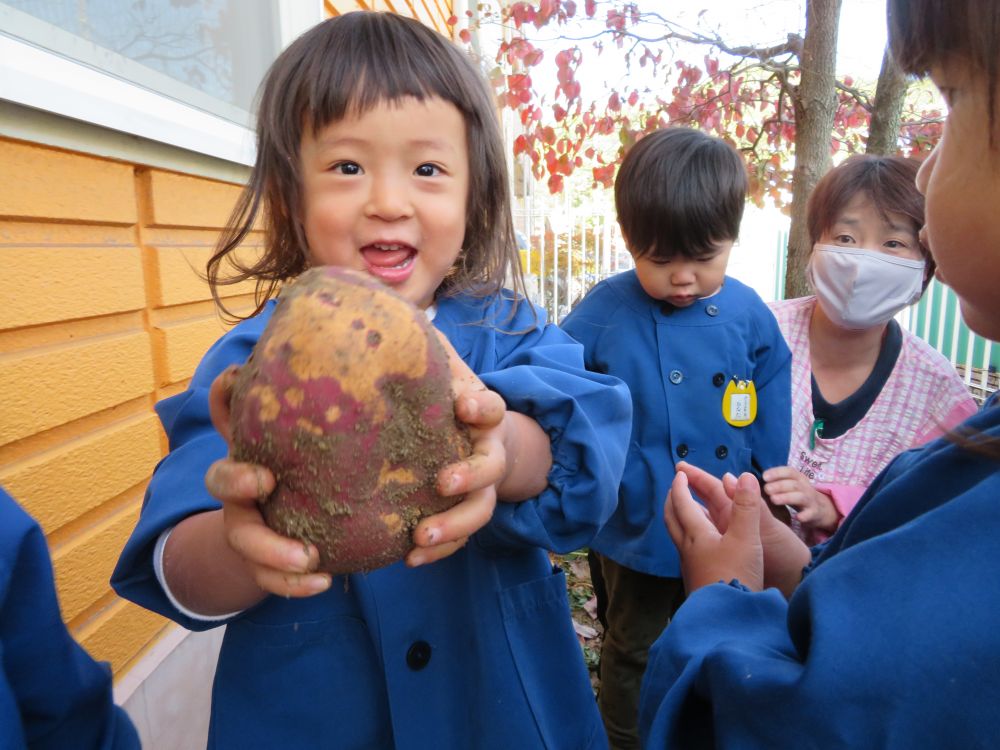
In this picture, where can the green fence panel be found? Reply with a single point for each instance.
(938, 320)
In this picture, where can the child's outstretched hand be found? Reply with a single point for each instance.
(785, 555)
(477, 476)
(709, 555)
(814, 509)
(277, 564)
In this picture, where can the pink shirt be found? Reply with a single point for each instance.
(922, 399)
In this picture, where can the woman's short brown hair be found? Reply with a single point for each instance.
(890, 183)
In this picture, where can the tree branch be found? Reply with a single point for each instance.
(857, 95)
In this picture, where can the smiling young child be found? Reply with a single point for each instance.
(379, 151)
(708, 370)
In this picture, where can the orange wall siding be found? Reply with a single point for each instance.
(103, 314)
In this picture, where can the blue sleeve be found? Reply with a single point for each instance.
(889, 641)
(588, 418)
(587, 322)
(727, 651)
(771, 431)
(177, 489)
(53, 696)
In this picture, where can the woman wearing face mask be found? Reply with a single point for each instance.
(863, 389)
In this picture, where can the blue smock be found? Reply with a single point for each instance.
(677, 363)
(475, 651)
(53, 696)
(890, 641)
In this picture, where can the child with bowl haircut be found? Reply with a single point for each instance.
(708, 370)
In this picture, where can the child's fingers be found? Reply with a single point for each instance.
(690, 516)
(694, 474)
(729, 484)
(424, 555)
(283, 583)
(744, 521)
(462, 520)
(231, 481)
(710, 489)
(776, 473)
(480, 408)
(791, 499)
(486, 466)
(475, 404)
(782, 487)
(670, 517)
(278, 564)
(807, 514)
(218, 401)
(260, 546)
(703, 483)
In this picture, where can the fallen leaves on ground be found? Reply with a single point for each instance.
(583, 607)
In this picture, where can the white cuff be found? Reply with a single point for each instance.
(161, 542)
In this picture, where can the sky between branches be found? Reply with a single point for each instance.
(861, 39)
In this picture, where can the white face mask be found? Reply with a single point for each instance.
(859, 288)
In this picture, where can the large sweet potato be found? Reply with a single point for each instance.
(347, 399)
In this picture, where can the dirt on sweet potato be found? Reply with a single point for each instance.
(347, 399)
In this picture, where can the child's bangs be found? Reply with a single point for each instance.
(361, 93)
(364, 70)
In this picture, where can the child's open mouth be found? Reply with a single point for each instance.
(390, 263)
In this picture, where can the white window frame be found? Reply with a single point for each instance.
(44, 80)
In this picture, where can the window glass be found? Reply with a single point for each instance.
(211, 54)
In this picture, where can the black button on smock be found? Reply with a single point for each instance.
(418, 655)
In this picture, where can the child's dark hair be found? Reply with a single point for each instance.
(925, 33)
(890, 184)
(347, 65)
(678, 192)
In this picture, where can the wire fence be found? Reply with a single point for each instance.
(564, 255)
(566, 251)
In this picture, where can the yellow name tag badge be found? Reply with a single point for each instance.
(739, 403)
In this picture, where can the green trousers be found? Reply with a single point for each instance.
(639, 607)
